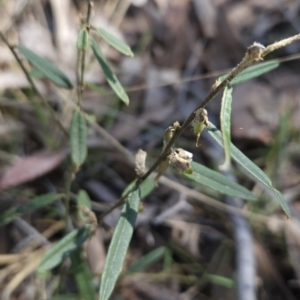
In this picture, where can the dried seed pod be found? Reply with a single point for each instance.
(182, 165)
(200, 122)
(184, 154)
(140, 162)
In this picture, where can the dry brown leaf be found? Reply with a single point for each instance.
(30, 168)
(95, 252)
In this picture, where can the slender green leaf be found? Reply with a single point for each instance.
(218, 182)
(110, 76)
(55, 255)
(168, 259)
(115, 42)
(78, 138)
(282, 202)
(83, 199)
(27, 208)
(119, 244)
(47, 68)
(35, 73)
(147, 260)
(240, 158)
(83, 40)
(220, 280)
(83, 276)
(147, 186)
(253, 72)
(226, 124)
(249, 166)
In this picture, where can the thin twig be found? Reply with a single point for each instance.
(72, 171)
(280, 44)
(254, 53)
(87, 25)
(48, 106)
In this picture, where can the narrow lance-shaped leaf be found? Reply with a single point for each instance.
(253, 72)
(47, 68)
(83, 202)
(282, 202)
(220, 280)
(109, 75)
(225, 118)
(83, 40)
(55, 255)
(147, 260)
(27, 208)
(115, 42)
(249, 166)
(83, 199)
(119, 244)
(240, 158)
(78, 138)
(218, 182)
(83, 276)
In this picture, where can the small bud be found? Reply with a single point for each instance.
(169, 132)
(200, 122)
(140, 162)
(254, 51)
(88, 217)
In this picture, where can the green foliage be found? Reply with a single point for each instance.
(109, 75)
(83, 199)
(60, 251)
(70, 245)
(226, 123)
(119, 244)
(220, 280)
(83, 40)
(253, 72)
(78, 139)
(115, 42)
(147, 260)
(250, 167)
(46, 68)
(27, 208)
(83, 276)
(218, 182)
(146, 187)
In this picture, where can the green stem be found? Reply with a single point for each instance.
(82, 58)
